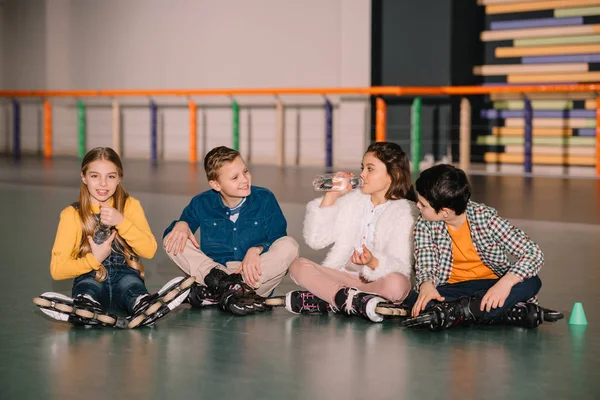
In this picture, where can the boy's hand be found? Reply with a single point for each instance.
(102, 251)
(364, 258)
(427, 293)
(175, 240)
(250, 267)
(110, 216)
(497, 294)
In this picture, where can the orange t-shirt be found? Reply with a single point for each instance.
(467, 265)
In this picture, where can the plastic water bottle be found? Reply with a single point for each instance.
(102, 233)
(335, 183)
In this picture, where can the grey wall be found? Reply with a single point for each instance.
(152, 44)
(425, 43)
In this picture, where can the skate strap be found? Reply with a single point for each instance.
(351, 293)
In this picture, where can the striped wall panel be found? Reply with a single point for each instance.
(537, 42)
(537, 141)
(541, 159)
(553, 151)
(503, 131)
(564, 31)
(490, 70)
(552, 122)
(526, 6)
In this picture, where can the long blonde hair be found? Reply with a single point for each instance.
(89, 222)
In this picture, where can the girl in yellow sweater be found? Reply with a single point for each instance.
(99, 241)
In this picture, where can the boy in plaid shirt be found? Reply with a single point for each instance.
(463, 273)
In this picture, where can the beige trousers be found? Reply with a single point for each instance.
(274, 263)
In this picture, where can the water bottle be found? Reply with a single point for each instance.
(102, 233)
(336, 183)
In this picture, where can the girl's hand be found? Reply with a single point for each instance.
(176, 239)
(250, 267)
(110, 216)
(102, 251)
(365, 258)
(330, 197)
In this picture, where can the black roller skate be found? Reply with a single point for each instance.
(551, 315)
(525, 315)
(234, 295)
(352, 301)
(151, 307)
(303, 302)
(445, 315)
(201, 296)
(82, 310)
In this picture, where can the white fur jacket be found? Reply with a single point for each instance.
(338, 224)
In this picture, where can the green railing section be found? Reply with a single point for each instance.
(81, 146)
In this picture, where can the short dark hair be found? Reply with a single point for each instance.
(216, 158)
(445, 186)
(398, 168)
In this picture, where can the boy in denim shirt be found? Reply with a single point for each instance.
(463, 273)
(244, 250)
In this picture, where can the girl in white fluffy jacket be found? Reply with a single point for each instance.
(371, 231)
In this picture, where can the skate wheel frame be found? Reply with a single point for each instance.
(45, 303)
(182, 286)
(278, 301)
(392, 311)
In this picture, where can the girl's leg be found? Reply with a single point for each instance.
(87, 285)
(321, 281)
(394, 287)
(127, 288)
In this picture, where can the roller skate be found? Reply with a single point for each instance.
(525, 315)
(234, 295)
(149, 308)
(81, 311)
(201, 296)
(445, 315)
(370, 306)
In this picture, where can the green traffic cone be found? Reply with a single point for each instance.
(578, 315)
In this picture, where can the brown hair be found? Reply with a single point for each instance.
(89, 222)
(398, 168)
(216, 158)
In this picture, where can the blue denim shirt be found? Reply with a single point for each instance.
(260, 223)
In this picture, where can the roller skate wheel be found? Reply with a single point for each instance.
(84, 313)
(171, 295)
(63, 307)
(275, 301)
(186, 283)
(153, 308)
(135, 322)
(41, 302)
(106, 319)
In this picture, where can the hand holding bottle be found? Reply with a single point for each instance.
(341, 182)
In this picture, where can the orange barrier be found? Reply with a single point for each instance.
(371, 91)
(47, 129)
(193, 133)
(494, 91)
(380, 120)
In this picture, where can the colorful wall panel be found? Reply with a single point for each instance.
(537, 42)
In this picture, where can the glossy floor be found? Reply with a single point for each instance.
(208, 354)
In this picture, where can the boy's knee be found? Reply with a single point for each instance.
(290, 247)
(536, 283)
